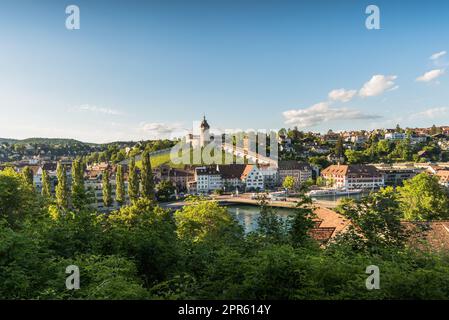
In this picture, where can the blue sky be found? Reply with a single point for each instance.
(142, 69)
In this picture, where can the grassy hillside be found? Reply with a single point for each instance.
(159, 160)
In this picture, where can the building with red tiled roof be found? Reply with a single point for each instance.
(429, 235)
(328, 224)
(252, 178)
(443, 176)
(354, 176)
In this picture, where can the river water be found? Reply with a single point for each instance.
(337, 198)
(247, 215)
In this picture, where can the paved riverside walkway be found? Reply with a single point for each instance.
(246, 199)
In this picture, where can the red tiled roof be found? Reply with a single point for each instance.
(342, 169)
(433, 235)
(443, 175)
(247, 170)
(331, 219)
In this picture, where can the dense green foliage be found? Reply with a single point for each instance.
(374, 148)
(145, 252)
(423, 198)
(164, 191)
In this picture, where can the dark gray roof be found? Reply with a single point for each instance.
(293, 165)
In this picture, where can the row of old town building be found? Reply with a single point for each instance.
(249, 177)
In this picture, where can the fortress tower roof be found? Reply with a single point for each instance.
(204, 124)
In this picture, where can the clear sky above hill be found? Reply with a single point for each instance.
(144, 69)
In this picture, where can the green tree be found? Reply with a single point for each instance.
(147, 233)
(16, 197)
(165, 190)
(383, 147)
(301, 221)
(423, 198)
(62, 193)
(203, 220)
(270, 225)
(27, 174)
(288, 183)
(355, 157)
(108, 277)
(319, 161)
(46, 185)
(133, 181)
(120, 186)
(321, 181)
(147, 183)
(339, 148)
(107, 190)
(78, 194)
(375, 222)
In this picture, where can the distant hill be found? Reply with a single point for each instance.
(3, 140)
(49, 141)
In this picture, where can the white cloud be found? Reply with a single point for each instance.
(432, 113)
(431, 75)
(437, 55)
(96, 109)
(342, 95)
(156, 130)
(320, 113)
(377, 85)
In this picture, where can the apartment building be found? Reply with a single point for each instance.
(207, 179)
(93, 183)
(395, 175)
(231, 176)
(253, 178)
(300, 171)
(178, 177)
(354, 176)
(227, 178)
(270, 176)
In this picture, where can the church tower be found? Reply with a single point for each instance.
(204, 132)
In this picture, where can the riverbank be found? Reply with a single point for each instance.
(246, 199)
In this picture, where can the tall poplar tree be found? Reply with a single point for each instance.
(339, 148)
(27, 174)
(146, 177)
(119, 186)
(62, 192)
(107, 197)
(78, 190)
(133, 181)
(46, 186)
